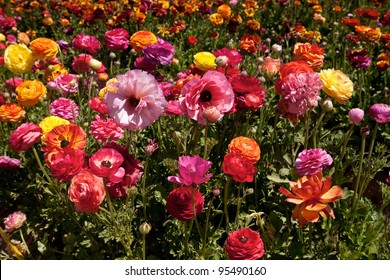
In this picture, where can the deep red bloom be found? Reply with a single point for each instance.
(182, 201)
(244, 244)
(248, 92)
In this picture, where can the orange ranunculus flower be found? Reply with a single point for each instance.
(23, 38)
(385, 39)
(249, 43)
(44, 48)
(18, 58)
(253, 25)
(311, 195)
(11, 112)
(368, 34)
(225, 11)
(271, 65)
(311, 36)
(53, 71)
(311, 53)
(216, 20)
(141, 39)
(66, 135)
(383, 61)
(245, 147)
(30, 92)
(350, 21)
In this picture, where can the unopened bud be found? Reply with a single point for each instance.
(212, 114)
(365, 131)
(112, 55)
(230, 44)
(175, 61)
(145, 228)
(102, 77)
(222, 61)
(249, 191)
(133, 190)
(216, 192)
(356, 116)
(95, 64)
(327, 105)
(276, 48)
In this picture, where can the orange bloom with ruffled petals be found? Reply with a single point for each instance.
(44, 48)
(141, 39)
(311, 195)
(66, 135)
(368, 34)
(11, 112)
(245, 147)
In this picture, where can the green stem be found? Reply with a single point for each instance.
(238, 204)
(356, 189)
(346, 139)
(316, 129)
(206, 129)
(144, 246)
(225, 200)
(144, 186)
(24, 242)
(41, 166)
(307, 124)
(187, 233)
(207, 225)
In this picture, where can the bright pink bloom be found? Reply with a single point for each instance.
(151, 147)
(104, 129)
(356, 115)
(213, 89)
(98, 105)
(106, 163)
(173, 108)
(7, 163)
(137, 102)
(87, 43)
(234, 57)
(66, 84)
(64, 108)
(380, 113)
(14, 221)
(116, 39)
(66, 163)
(312, 161)
(162, 52)
(25, 136)
(192, 170)
(80, 63)
(12, 83)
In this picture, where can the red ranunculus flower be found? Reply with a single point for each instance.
(244, 244)
(241, 169)
(66, 163)
(25, 136)
(182, 201)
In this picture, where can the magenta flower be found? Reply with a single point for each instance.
(106, 163)
(356, 116)
(7, 163)
(234, 57)
(25, 136)
(104, 129)
(66, 84)
(116, 39)
(80, 63)
(87, 43)
(192, 170)
(14, 221)
(64, 108)
(12, 83)
(380, 113)
(162, 52)
(137, 101)
(312, 161)
(213, 89)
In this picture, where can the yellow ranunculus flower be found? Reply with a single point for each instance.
(50, 122)
(30, 92)
(205, 61)
(336, 84)
(2, 37)
(18, 58)
(44, 48)
(216, 20)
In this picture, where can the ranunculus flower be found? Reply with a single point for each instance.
(213, 89)
(65, 163)
(11, 112)
(50, 122)
(30, 92)
(336, 84)
(245, 147)
(87, 43)
(80, 63)
(311, 53)
(98, 105)
(240, 168)
(137, 102)
(65, 135)
(380, 113)
(312, 161)
(205, 61)
(25, 136)
(18, 58)
(356, 115)
(12, 83)
(162, 52)
(271, 65)
(64, 108)
(116, 39)
(248, 92)
(14, 221)
(66, 84)
(359, 58)
(104, 129)
(141, 39)
(182, 201)
(192, 170)
(8, 163)
(106, 163)
(86, 191)
(311, 195)
(244, 244)
(233, 55)
(44, 48)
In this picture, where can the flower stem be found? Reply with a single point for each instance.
(307, 124)
(239, 199)
(144, 246)
(356, 189)
(206, 129)
(41, 166)
(346, 139)
(316, 129)
(144, 185)
(225, 200)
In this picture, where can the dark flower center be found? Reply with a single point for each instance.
(133, 101)
(64, 143)
(205, 96)
(106, 163)
(243, 239)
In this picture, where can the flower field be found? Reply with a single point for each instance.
(186, 129)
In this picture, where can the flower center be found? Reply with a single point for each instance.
(106, 163)
(243, 239)
(133, 101)
(205, 96)
(64, 143)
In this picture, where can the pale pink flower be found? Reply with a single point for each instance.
(106, 163)
(356, 115)
(312, 161)
(64, 108)
(213, 89)
(104, 129)
(192, 170)
(14, 221)
(25, 136)
(65, 83)
(137, 101)
(380, 113)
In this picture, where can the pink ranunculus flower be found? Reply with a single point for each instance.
(116, 39)
(380, 113)
(66, 84)
(98, 105)
(356, 116)
(25, 136)
(312, 161)
(137, 102)
(14, 221)
(234, 57)
(271, 65)
(162, 52)
(12, 83)
(213, 89)
(192, 170)
(104, 129)
(64, 108)
(80, 63)
(87, 43)
(8, 163)
(86, 191)
(173, 108)
(106, 163)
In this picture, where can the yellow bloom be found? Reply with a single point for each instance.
(205, 61)
(48, 123)
(2, 37)
(216, 20)
(18, 58)
(44, 48)
(30, 92)
(108, 88)
(336, 84)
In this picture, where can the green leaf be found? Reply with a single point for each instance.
(274, 177)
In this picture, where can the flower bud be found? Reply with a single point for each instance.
(249, 191)
(230, 44)
(102, 77)
(365, 131)
(212, 114)
(327, 106)
(151, 147)
(222, 61)
(133, 190)
(112, 55)
(175, 61)
(95, 64)
(145, 228)
(356, 115)
(216, 192)
(276, 48)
